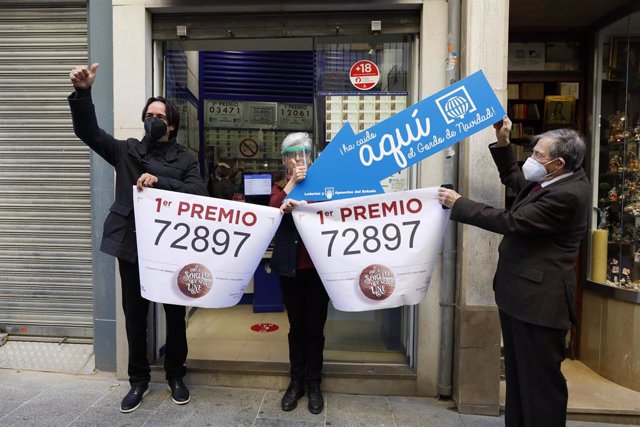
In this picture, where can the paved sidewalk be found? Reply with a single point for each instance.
(57, 399)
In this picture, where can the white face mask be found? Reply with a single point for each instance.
(535, 171)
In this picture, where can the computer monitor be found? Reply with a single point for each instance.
(257, 184)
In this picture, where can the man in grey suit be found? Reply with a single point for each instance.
(535, 279)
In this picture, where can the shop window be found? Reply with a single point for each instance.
(611, 298)
(615, 245)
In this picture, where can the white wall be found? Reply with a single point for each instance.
(433, 53)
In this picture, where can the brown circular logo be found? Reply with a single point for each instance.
(194, 280)
(377, 282)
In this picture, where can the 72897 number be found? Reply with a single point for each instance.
(373, 239)
(221, 239)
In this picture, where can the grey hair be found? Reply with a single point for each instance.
(297, 139)
(568, 144)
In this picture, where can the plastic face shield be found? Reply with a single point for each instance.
(301, 155)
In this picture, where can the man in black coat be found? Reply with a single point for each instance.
(535, 279)
(155, 161)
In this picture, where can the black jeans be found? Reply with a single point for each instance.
(135, 312)
(306, 302)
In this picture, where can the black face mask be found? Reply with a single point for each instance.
(155, 128)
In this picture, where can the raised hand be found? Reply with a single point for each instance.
(503, 129)
(82, 76)
(299, 172)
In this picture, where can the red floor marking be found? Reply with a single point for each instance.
(265, 327)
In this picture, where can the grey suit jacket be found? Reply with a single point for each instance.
(535, 280)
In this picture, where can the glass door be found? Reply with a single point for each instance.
(241, 122)
(363, 81)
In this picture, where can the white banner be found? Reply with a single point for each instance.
(374, 252)
(199, 251)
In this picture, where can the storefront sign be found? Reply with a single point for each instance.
(260, 115)
(199, 251)
(295, 116)
(223, 114)
(364, 75)
(353, 165)
(374, 252)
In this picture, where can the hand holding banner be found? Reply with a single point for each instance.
(199, 251)
(374, 252)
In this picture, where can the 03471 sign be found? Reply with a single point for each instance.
(374, 252)
(199, 251)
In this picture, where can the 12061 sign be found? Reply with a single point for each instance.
(295, 116)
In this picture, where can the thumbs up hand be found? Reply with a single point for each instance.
(82, 76)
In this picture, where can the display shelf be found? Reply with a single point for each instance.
(527, 105)
(614, 292)
(618, 201)
(612, 146)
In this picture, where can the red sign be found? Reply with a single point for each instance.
(248, 147)
(265, 327)
(364, 74)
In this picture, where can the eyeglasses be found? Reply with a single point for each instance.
(537, 155)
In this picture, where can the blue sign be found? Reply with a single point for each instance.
(353, 165)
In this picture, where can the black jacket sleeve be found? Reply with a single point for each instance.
(85, 126)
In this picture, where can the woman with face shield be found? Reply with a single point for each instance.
(304, 295)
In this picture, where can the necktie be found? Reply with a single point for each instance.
(537, 187)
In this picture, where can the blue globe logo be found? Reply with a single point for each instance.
(456, 107)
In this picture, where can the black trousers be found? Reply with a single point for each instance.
(536, 389)
(135, 312)
(306, 302)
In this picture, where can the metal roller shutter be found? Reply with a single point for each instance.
(45, 221)
(257, 76)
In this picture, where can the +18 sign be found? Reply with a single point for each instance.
(364, 74)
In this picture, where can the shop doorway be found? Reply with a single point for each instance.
(237, 106)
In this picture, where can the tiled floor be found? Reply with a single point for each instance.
(226, 334)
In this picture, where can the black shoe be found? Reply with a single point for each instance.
(179, 391)
(294, 392)
(316, 401)
(133, 399)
